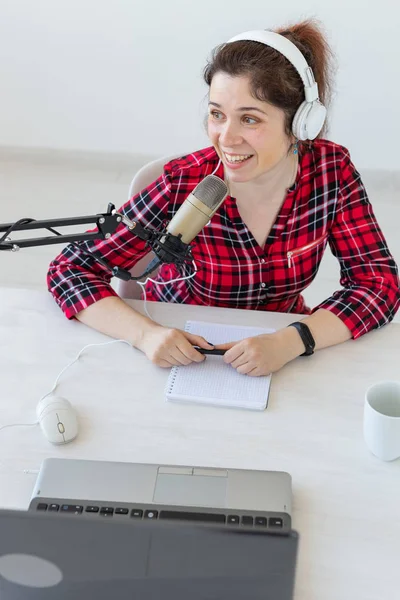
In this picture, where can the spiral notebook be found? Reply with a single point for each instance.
(214, 382)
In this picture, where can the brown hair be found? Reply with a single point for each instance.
(272, 77)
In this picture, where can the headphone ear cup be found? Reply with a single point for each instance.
(315, 119)
(308, 120)
(299, 121)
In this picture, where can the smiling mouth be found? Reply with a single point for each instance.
(235, 159)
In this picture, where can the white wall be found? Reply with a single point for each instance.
(125, 75)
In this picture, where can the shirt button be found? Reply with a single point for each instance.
(263, 285)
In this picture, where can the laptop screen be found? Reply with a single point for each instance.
(61, 557)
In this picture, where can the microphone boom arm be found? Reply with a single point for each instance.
(167, 247)
(106, 224)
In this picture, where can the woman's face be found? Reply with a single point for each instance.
(248, 134)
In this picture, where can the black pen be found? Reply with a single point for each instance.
(214, 351)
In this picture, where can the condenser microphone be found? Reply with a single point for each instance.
(198, 208)
(192, 216)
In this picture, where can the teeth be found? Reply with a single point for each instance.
(234, 158)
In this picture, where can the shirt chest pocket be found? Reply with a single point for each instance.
(312, 251)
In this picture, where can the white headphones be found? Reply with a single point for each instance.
(310, 116)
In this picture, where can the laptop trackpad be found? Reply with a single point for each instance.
(189, 490)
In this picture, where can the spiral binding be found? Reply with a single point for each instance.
(174, 370)
(171, 380)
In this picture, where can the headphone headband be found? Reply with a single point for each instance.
(290, 51)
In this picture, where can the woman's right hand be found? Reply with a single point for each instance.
(166, 347)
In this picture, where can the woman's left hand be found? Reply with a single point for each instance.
(263, 354)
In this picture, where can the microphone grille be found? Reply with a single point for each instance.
(211, 191)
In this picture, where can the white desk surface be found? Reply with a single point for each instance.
(346, 502)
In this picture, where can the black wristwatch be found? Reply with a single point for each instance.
(306, 337)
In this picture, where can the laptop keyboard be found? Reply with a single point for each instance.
(271, 521)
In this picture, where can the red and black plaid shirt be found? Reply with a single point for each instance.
(327, 204)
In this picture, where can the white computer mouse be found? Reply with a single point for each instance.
(57, 419)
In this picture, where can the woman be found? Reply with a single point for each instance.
(289, 196)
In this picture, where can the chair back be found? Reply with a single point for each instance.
(144, 177)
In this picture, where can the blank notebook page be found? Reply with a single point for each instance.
(213, 381)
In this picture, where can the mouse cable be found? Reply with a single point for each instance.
(77, 358)
(19, 425)
(59, 376)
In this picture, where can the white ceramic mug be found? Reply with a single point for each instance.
(382, 419)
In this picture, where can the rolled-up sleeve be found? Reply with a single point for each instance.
(76, 280)
(368, 273)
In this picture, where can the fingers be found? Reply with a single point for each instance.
(256, 373)
(240, 363)
(225, 346)
(234, 351)
(246, 368)
(164, 364)
(197, 340)
(190, 353)
(185, 354)
(173, 347)
(177, 349)
(252, 370)
(246, 359)
(174, 358)
(238, 358)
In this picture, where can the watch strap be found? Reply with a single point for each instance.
(306, 337)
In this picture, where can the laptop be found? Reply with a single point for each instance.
(258, 500)
(49, 556)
